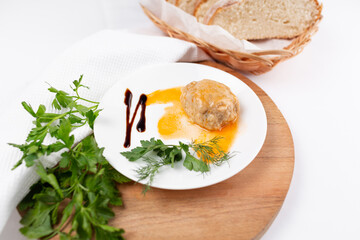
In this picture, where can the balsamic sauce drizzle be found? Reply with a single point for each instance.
(141, 126)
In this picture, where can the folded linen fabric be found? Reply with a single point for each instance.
(103, 58)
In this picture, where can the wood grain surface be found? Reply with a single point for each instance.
(242, 207)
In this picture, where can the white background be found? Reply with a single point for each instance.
(317, 92)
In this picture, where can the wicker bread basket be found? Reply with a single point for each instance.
(255, 63)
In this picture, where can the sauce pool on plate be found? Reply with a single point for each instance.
(176, 124)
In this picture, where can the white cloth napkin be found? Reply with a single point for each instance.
(103, 59)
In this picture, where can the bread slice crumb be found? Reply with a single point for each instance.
(187, 5)
(202, 9)
(263, 19)
(171, 1)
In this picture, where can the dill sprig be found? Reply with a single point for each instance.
(149, 171)
(209, 152)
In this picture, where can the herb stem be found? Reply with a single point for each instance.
(208, 152)
(86, 100)
(82, 175)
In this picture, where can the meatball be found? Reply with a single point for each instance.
(209, 104)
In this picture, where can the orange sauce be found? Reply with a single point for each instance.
(176, 124)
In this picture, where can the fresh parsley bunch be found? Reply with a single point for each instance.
(74, 198)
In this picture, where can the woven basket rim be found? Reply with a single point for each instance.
(267, 58)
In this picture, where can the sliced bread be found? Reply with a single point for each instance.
(171, 1)
(208, 7)
(187, 5)
(202, 8)
(262, 19)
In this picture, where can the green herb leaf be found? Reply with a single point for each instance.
(38, 231)
(194, 164)
(63, 99)
(30, 159)
(90, 117)
(56, 104)
(64, 132)
(136, 153)
(37, 221)
(49, 178)
(209, 152)
(28, 108)
(41, 110)
(82, 109)
(103, 233)
(81, 188)
(118, 177)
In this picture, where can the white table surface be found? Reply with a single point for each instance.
(317, 92)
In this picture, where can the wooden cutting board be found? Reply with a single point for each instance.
(242, 207)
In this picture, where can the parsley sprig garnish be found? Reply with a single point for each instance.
(74, 198)
(156, 154)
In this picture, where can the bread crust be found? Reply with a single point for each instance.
(198, 2)
(198, 6)
(220, 4)
(210, 18)
(172, 1)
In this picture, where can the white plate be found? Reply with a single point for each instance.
(109, 127)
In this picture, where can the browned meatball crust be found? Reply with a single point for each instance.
(209, 104)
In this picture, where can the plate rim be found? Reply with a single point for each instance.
(151, 66)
